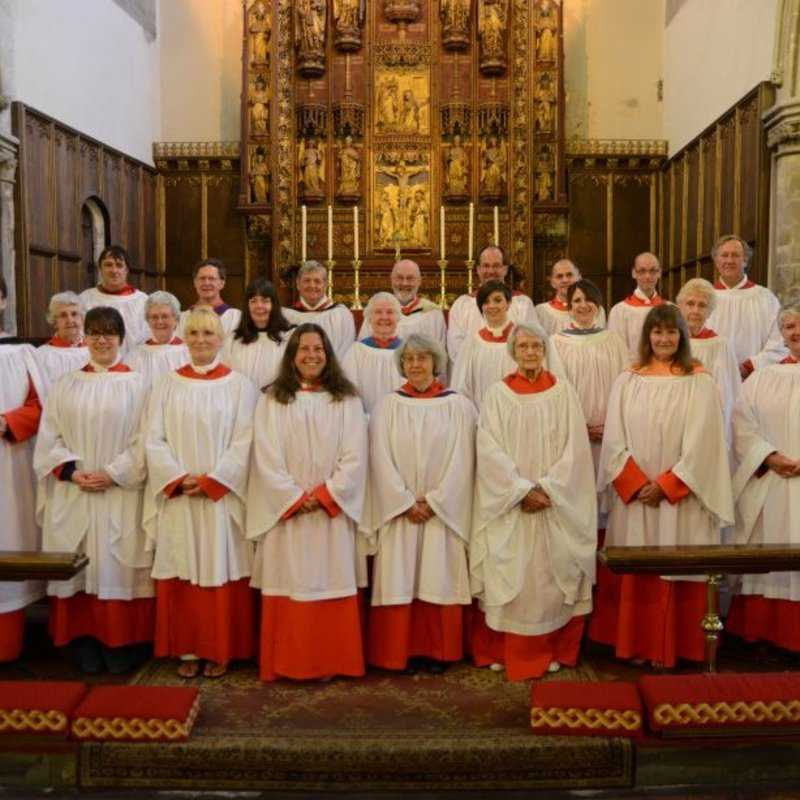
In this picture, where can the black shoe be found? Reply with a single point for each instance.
(88, 655)
(435, 667)
(412, 668)
(120, 660)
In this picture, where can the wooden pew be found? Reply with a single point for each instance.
(31, 565)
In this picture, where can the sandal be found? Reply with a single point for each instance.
(213, 670)
(188, 669)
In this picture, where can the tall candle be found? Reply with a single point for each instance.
(355, 232)
(471, 231)
(303, 232)
(441, 233)
(330, 233)
(496, 225)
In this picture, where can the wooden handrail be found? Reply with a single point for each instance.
(32, 565)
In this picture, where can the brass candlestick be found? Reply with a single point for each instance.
(442, 262)
(329, 265)
(356, 285)
(470, 266)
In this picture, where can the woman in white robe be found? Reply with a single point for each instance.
(418, 515)
(66, 350)
(664, 464)
(90, 464)
(256, 347)
(20, 413)
(164, 351)
(199, 433)
(534, 533)
(370, 363)
(696, 301)
(304, 503)
(767, 488)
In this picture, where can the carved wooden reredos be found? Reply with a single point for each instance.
(399, 107)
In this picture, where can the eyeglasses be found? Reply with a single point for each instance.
(107, 336)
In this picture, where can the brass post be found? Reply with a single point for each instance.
(470, 267)
(329, 265)
(442, 262)
(711, 623)
(356, 285)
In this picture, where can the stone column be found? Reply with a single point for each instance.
(782, 124)
(8, 171)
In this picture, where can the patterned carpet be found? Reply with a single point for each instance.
(466, 729)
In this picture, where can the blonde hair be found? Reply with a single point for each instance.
(698, 286)
(202, 317)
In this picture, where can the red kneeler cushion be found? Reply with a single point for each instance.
(40, 707)
(136, 714)
(686, 704)
(579, 708)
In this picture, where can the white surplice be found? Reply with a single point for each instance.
(373, 371)
(336, 320)
(297, 447)
(420, 447)
(716, 354)
(627, 317)
(767, 419)
(152, 361)
(260, 360)
(229, 319)
(130, 306)
(667, 423)
(19, 530)
(199, 426)
(93, 419)
(53, 362)
(747, 316)
(553, 318)
(532, 573)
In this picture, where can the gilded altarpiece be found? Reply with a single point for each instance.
(397, 108)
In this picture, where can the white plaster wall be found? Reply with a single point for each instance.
(89, 65)
(201, 69)
(613, 62)
(715, 52)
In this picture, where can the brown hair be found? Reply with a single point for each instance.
(209, 262)
(117, 253)
(590, 292)
(489, 288)
(104, 319)
(333, 380)
(667, 316)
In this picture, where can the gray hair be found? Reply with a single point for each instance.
(698, 286)
(383, 296)
(420, 343)
(530, 331)
(791, 309)
(732, 237)
(61, 299)
(310, 266)
(162, 299)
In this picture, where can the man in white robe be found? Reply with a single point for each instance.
(745, 312)
(208, 278)
(626, 318)
(313, 305)
(554, 314)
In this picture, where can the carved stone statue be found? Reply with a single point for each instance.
(456, 169)
(258, 28)
(310, 30)
(418, 218)
(409, 113)
(545, 45)
(349, 171)
(259, 106)
(492, 28)
(402, 10)
(311, 161)
(388, 103)
(259, 176)
(348, 19)
(454, 15)
(494, 165)
(545, 100)
(400, 196)
(544, 185)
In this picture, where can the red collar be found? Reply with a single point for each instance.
(705, 333)
(655, 300)
(220, 371)
(789, 360)
(384, 344)
(116, 368)
(434, 390)
(718, 284)
(407, 309)
(518, 383)
(558, 305)
(173, 340)
(126, 289)
(487, 335)
(58, 342)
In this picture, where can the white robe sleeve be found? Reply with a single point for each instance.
(614, 453)
(129, 468)
(346, 485)
(774, 348)
(51, 450)
(162, 466)
(750, 447)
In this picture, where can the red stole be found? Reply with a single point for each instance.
(633, 300)
(488, 336)
(434, 390)
(558, 305)
(706, 333)
(58, 342)
(120, 367)
(126, 289)
(220, 371)
(518, 383)
(718, 284)
(408, 309)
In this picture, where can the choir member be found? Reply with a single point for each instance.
(91, 468)
(256, 347)
(304, 503)
(314, 306)
(199, 432)
(554, 315)
(465, 317)
(418, 513)
(592, 357)
(66, 350)
(419, 315)
(20, 411)
(767, 487)
(696, 301)
(665, 466)
(208, 277)
(627, 317)
(534, 534)
(164, 351)
(370, 363)
(745, 312)
(114, 291)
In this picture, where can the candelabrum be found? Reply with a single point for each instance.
(356, 285)
(442, 262)
(470, 266)
(329, 265)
